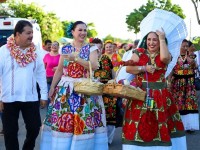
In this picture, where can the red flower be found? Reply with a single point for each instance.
(155, 76)
(136, 114)
(105, 61)
(164, 97)
(158, 98)
(129, 130)
(75, 70)
(173, 109)
(148, 126)
(170, 124)
(161, 116)
(179, 125)
(110, 110)
(90, 40)
(128, 114)
(143, 60)
(159, 63)
(79, 125)
(66, 123)
(164, 133)
(141, 50)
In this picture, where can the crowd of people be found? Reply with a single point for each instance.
(31, 78)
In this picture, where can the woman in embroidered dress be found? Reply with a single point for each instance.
(154, 123)
(74, 121)
(104, 74)
(183, 88)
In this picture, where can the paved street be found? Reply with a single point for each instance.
(193, 141)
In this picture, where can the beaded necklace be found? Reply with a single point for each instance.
(21, 58)
(152, 57)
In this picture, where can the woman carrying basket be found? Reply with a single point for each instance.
(74, 121)
(154, 123)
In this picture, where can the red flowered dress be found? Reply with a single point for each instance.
(104, 73)
(154, 126)
(184, 92)
(73, 118)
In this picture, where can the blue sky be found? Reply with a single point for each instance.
(109, 15)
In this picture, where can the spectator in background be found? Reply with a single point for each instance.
(115, 48)
(135, 43)
(46, 48)
(183, 88)
(99, 44)
(47, 45)
(197, 52)
(125, 46)
(51, 61)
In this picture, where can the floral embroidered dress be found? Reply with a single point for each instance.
(152, 125)
(184, 92)
(74, 121)
(104, 73)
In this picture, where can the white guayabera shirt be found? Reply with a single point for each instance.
(19, 83)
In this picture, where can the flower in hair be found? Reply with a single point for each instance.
(69, 30)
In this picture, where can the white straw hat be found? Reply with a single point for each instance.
(174, 28)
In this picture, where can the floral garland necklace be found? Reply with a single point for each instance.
(21, 58)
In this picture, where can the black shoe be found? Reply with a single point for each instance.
(1, 132)
(190, 131)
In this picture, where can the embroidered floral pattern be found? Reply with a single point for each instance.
(105, 69)
(21, 58)
(98, 118)
(79, 125)
(110, 107)
(129, 131)
(164, 133)
(74, 102)
(183, 86)
(66, 123)
(71, 112)
(149, 126)
(75, 70)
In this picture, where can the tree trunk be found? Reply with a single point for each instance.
(2, 1)
(196, 10)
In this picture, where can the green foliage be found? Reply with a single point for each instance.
(134, 19)
(91, 30)
(196, 42)
(90, 27)
(50, 25)
(65, 25)
(116, 40)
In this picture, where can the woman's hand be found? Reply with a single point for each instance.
(51, 92)
(54, 69)
(150, 68)
(161, 34)
(70, 57)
